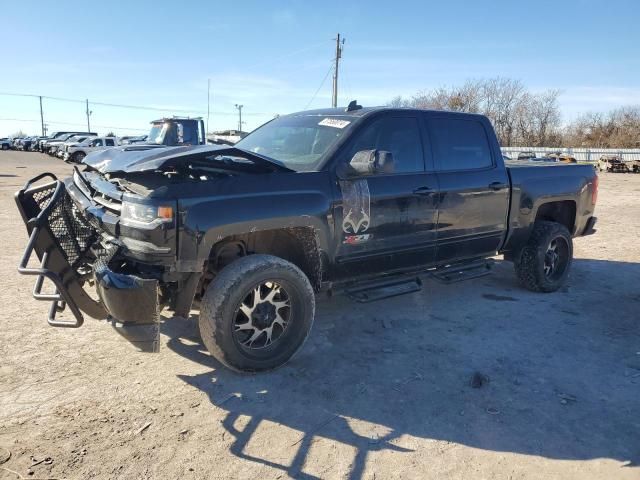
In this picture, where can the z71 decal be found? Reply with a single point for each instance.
(355, 239)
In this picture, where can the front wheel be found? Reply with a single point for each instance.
(256, 313)
(78, 157)
(545, 261)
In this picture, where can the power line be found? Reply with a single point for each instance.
(321, 84)
(133, 107)
(71, 124)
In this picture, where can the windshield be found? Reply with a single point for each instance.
(298, 142)
(157, 133)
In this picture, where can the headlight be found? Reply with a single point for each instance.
(146, 214)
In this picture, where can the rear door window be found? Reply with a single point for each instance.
(109, 142)
(459, 144)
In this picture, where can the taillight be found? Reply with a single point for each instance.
(594, 191)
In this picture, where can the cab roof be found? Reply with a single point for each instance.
(364, 111)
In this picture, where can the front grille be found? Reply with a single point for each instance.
(110, 203)
(71, 230)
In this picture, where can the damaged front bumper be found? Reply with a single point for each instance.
(64, 242)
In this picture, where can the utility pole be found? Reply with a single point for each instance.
(41, 117)
(239, 107)
(89, 112)
(339, 47)
(208, 103)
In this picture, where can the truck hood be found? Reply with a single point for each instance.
(143, 158)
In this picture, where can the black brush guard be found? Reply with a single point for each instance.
(61, 240)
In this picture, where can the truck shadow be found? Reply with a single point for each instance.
(561, 375)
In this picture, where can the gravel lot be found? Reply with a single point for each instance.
(379, 391)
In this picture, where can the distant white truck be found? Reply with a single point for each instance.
(227, 137)
(61, 148)
(75, 153)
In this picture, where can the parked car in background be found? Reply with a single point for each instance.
(76, 153)
(56, 137)
(5, 143)
(612, 163)
(35, 143)
(526, 155)
(562, 157)
(58, 143)
(75, 140)
(49, 138)
(634, 165)
(15, 142)
(227, 137)
(51, 146)
(24, 143)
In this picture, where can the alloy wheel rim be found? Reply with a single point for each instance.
(262, 317)
(555, 258)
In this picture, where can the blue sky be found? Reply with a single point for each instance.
(272, 56)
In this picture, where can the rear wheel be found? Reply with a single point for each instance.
(256, 313)
(544, 263)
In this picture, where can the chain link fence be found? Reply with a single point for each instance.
(581, 154)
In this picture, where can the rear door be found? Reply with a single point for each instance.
(387, 220)
(474, 186)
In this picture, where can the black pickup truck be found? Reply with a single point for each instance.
(366, 201)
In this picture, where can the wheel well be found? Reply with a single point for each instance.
(563, 212)
(297, 245)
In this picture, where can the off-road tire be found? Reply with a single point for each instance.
(529, 265)
(225, 293)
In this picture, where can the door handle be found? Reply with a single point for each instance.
(423, 191)
(497, 185)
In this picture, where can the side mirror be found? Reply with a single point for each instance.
(366, 162)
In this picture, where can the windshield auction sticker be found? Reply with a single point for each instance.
(334, 122)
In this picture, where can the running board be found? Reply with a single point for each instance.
(463, 271)
(370, 292)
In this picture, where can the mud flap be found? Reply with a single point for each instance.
(133, 306)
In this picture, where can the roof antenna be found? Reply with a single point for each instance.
(353, 106)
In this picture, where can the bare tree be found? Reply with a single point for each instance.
(618, 128)
(398, 102)
(523, 118)
(518, 116)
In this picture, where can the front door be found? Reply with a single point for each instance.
(386, 220)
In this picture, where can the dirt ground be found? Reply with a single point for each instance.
(380, 390)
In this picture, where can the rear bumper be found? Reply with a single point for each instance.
(65, 244)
